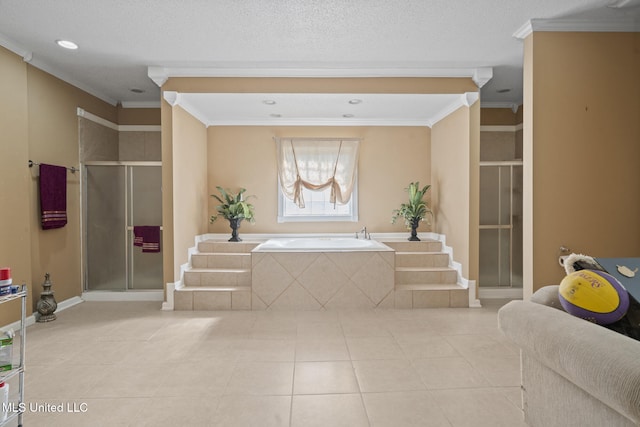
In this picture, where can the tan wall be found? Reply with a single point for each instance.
(473, 138)
(500, 116)
(139, 116)
(53, 138)
(15, 223)
(320, 85)
(190, 181)
(454, 170)
(390, 158)
(581, 149)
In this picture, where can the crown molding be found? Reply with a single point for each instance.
(160, 75)
(482, 75)
(175, 99)
(576, 25)
(171, 97)
(470, 98)
(15, 48)
(321, 122)
(27, 56)
(465, 99)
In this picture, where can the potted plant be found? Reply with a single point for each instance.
(415, 211)
(234, 208)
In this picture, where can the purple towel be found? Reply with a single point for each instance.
(53, 196)
(147, 236)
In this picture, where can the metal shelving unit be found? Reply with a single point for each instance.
(17, 370)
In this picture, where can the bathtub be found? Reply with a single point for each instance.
(322, 273)
(320, 244)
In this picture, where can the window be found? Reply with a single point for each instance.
(317, 179)
(317, 208)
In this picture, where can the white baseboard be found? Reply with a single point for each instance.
(168, 305)
(500, 293)
(30, 320)
(150, 295)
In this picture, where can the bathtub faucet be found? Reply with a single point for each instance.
(364, 233)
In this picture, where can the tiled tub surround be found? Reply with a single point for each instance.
(317, 278)
(303, 273)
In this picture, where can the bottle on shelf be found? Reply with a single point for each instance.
(6, 350)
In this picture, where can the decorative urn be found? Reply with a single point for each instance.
(47, 303)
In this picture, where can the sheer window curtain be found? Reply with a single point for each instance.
(317, 164)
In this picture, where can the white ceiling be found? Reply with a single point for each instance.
(293, 109)
(120, 39)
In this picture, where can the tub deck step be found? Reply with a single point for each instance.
(218, 270)
(429, 287)
(215, 288)
(431, 295)
(212, 298)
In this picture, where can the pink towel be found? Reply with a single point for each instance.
(148, 237)
(53, 196)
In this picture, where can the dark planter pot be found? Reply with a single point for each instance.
(235, 224)
(414, 230)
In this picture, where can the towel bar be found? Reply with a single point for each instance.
(72, 168)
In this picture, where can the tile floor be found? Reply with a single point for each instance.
(131, 364)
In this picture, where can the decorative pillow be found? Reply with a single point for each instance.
(547, 295)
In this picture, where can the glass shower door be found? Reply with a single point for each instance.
(119, 196)
(105, 224)
(500, 224)
(145, 208)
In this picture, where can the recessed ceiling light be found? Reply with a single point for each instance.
(355, 101)
(136, 90)
(269, 102)
(67, 44)
(275, 115)
(347, 116)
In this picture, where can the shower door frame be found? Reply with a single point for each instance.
(502, 291)
(83, 222)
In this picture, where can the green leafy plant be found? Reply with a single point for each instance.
(233, 206)
(417, 209)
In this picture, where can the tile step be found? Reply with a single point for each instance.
(223, 253)
(433, 269)
(214, 289)
(218, 270)
(430, 287)
(420, 253)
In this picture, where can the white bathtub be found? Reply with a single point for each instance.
(320, 244)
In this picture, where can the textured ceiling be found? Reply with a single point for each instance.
(120, 39)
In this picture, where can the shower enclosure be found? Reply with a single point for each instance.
(501, 228)
(118, 196)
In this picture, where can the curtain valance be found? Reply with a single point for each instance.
(317, 164)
